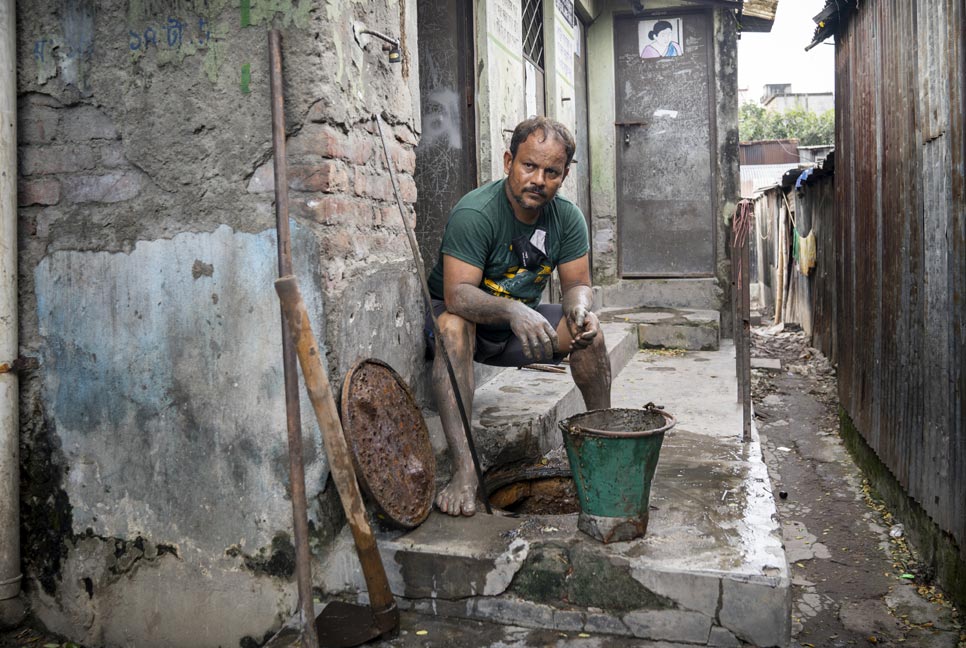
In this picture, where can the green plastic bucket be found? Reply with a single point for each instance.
(613, 454)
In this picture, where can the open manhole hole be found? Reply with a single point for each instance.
(545, 487)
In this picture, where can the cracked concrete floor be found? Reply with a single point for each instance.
(847, 583)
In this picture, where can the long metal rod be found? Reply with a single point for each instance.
(746, 340)
(317, 385)
(440, 344)
(11, 606)
(300, 521)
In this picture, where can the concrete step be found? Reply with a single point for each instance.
(671, 328)
(515, 413)
(710, 571)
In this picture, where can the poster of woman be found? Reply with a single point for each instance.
(660, 38)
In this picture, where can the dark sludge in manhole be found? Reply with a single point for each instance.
(540, 496)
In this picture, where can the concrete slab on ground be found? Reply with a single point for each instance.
(766, 364)
(710, 571)
(671, 328)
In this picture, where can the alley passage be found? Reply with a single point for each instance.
(855, 580)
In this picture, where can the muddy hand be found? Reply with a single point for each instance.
(583, 326)
(537, 337)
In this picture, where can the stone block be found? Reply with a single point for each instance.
(37, 124)
(669, 625)
(405, 134)
(403, 158)
(767, 364)
(568, 620)
(111, 155)
(721, 638)
(690, 591)
(84, 123)
(458, 558)
(333, 209)
(323, 140)
(511, 611)
(758, 613)
(664, 293)
(45, 160)
(678, 336)
(605, 624)
(328, 177)
(407, 188)
(45, 191)
(106, 188)
(263, 179)
(368, 185)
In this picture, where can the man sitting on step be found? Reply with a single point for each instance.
(501, 243)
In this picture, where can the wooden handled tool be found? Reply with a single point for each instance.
(384, 612)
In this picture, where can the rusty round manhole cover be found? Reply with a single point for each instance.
(389, 442)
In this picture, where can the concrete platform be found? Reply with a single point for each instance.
(711, 570)
(515, 413)
(671, 328)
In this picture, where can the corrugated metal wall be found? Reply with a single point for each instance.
(900, 260)
(768, 152)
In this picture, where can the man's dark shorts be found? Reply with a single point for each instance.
(498, 347)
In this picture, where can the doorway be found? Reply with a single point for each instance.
(666, 182)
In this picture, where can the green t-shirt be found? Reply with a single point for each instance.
(483, 231)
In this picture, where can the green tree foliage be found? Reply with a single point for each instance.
(809, 128)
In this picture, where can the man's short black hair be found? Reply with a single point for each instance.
(549, 127)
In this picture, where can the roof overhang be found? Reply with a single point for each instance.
(830, 19)
(753, 15)
(758, 15)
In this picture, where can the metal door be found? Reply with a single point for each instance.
(666, 202)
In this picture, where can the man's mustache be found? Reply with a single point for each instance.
(539, 192)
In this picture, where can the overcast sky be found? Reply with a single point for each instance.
(780, 57)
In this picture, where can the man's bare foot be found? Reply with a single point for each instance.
(459, 496)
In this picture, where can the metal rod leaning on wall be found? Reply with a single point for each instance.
(736, 328)
(746, 338)
(741, 257)
(11, 605)
(440, 344)
(385, 613)
(300, 522)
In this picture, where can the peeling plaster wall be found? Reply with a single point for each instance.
(154, 465)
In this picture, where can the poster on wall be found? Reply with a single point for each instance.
(660, 38)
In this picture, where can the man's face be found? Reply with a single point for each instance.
(537, 171)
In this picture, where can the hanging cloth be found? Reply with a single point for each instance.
(805, 247)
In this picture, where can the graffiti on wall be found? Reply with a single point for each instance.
(170, 29)
(173, 33)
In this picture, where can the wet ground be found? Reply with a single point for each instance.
(854, 582)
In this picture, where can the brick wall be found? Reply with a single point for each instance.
(154, 477)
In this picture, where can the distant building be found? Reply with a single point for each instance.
(778, 97)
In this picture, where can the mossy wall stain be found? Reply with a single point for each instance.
(278, 560)
(45, 512)
(565, 576)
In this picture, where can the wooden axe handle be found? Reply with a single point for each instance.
(336, 449)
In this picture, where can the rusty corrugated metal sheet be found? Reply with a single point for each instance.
(768, 152)
(899, 332)
(886, 299)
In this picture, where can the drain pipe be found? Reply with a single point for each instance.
(11, 607)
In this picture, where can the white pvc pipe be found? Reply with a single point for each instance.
(11, 608)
